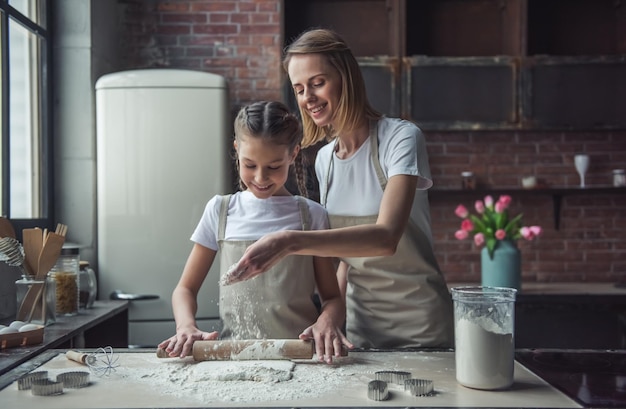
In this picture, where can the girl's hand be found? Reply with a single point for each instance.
(180, 344)
(329, 340)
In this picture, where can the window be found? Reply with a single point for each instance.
(25, 151)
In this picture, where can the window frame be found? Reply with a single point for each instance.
(46, 220)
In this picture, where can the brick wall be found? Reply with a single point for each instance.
(242, 41)
(590, 244)
(238, 39)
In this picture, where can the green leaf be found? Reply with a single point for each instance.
(479, 226)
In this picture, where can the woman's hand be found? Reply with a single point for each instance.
(180, 344)
(329, 340)
(259, 257)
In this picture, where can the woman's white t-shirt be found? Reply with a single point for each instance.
(250, 218)
(354, 186)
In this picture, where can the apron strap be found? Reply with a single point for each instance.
(374, 149)
(305, 216)
(221, 231)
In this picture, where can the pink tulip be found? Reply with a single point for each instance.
(488, 201)
(479, 206)
(505, 200)
(461, 234)
(529, 233)
(500, 234)
(467, 225)
(479, 239)
(500, 207)
(461, 211)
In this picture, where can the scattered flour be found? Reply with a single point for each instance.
(240, 381)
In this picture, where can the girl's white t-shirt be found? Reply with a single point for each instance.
(354, 186)
(250, 218)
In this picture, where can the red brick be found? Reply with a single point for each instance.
(184, 18)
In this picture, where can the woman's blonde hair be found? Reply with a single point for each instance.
(273, 122)
(354, 106)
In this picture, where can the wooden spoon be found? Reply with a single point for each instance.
(33, 243)
(49, 254)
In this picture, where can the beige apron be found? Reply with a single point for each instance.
(278, 304)
(395, 301)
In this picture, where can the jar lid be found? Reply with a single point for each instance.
(83, 264)
(70, 250)
(618, 171)
(467, 174)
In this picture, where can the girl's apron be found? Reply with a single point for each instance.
(278, 304)
(394, 301)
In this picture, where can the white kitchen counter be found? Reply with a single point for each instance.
(142, 380)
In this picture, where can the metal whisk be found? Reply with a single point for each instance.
(101, 362)
(12, 252)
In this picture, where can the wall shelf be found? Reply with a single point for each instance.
(484, 64)
(557, 194)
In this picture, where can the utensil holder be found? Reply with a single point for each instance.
(36, 300)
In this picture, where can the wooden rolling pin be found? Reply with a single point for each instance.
(256, 349)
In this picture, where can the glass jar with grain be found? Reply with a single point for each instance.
(65, 275)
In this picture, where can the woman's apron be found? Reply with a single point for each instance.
(395, 301)
(277, 304)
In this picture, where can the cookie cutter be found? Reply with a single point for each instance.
(46, 387)
(397, 377)
(74, 380)
(377, 390)
(26, 381)
(419, 387)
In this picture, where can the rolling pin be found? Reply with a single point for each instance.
(257, 349)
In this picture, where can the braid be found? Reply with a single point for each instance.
(300, 175)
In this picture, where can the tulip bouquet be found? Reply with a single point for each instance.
(492, 223)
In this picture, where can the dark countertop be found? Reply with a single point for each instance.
(558, 292)
(66, 330)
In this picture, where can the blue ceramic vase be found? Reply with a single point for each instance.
(505, 268)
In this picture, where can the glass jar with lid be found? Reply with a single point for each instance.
(65, 275)
(87, 284)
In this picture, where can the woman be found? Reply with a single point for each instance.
(372, 176)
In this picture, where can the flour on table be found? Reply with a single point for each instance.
(235, 381)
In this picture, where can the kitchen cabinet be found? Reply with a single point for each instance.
(484, 64)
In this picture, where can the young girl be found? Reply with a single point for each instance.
(279, 304)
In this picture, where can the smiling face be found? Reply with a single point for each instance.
(264, 166)
(317, 87)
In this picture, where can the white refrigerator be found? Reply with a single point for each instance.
(163, 146)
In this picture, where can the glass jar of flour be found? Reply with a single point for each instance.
(484, 347)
